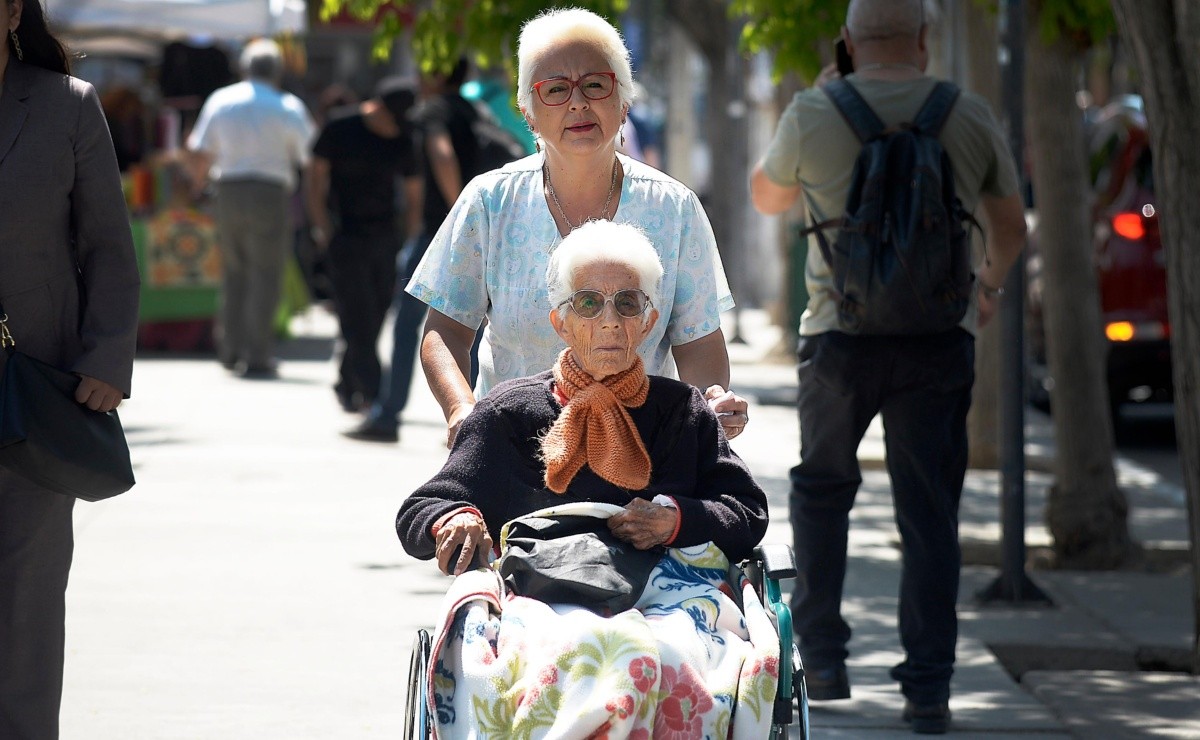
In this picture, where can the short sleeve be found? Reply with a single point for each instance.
(325, 146)
(701, 288)
(201, 139)
(303, 129)
(450, 277)
(781, 164)
(434, 115)
(1000, 179)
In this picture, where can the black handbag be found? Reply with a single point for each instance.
(49, 438)
(574, 559)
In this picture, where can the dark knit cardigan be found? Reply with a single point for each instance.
(495, 466)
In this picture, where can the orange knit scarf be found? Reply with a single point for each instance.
(595, 428)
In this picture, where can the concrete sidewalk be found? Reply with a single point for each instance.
(251, 585)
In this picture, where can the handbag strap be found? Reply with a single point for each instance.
(6, 337)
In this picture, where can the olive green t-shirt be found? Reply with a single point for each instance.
(815, 148)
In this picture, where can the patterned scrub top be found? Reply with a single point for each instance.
(489, 260)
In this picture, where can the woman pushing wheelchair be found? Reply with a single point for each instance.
(597, 436)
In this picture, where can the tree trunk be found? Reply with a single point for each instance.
(1086, 512)
(1165, 40)
(983, 422)
(708, 24)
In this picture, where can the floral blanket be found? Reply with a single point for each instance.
(684, 664)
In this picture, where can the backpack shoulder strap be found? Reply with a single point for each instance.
(854, 108)
(936, 109)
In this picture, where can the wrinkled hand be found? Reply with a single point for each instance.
(97, 395)
(643, 524)
(455, 422)
(731, 409)
(469, 531)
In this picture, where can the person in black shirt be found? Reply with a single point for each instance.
(444, 121)
(357, 159)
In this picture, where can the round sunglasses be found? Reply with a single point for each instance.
(589, 304)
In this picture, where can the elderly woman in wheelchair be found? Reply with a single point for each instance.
(619, 507)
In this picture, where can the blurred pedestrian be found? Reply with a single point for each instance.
(69, 289)
(251, 137)
(443, 119)
(352, 204)
(640, 136)
(486, 262)
(917, 376)
(332, 100)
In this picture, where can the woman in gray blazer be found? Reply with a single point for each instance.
(69, 285)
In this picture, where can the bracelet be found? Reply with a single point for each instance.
(988, 290)
(678, 524)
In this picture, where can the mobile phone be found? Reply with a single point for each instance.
(845, 65)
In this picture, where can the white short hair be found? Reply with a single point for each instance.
(262, 59)
(876, 20)
(567, 25)
(603, 242)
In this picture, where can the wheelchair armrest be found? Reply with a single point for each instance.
(777, 560)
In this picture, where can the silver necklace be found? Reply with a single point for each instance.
(612, 186)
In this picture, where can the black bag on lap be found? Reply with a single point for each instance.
(569, 559)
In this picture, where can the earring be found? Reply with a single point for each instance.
(622, 138)
(537, 145)
(16, 44)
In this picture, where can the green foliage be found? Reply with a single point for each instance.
(799, 33)
(1085, 21)
(444, 30)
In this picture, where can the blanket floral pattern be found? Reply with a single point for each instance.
(683, 664)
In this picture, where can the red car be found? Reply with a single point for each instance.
(1130, 264)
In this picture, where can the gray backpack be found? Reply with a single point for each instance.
(901, 263)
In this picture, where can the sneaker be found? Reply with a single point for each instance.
(827, 684)
(371, 431)
(927, 719)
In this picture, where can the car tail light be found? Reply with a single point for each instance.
(1129, 225)
(1127, 331)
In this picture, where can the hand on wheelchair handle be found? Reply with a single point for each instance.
(733, 412)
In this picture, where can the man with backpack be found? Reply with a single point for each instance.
(890, 164)
(456, 147)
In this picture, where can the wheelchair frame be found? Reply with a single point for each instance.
(770, 565)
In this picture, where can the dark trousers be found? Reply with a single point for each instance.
(406, 339)
(410, 313)
(922, 388)
(254, 234)
(362, 264)
(36, 544)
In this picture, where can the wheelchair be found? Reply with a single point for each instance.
(770, 565)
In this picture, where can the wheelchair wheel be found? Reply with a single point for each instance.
(418, 724)
(800, 691)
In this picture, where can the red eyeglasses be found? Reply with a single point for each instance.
(594, 85)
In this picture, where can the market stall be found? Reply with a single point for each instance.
(153, 63)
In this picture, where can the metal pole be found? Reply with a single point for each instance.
(1013, 585)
